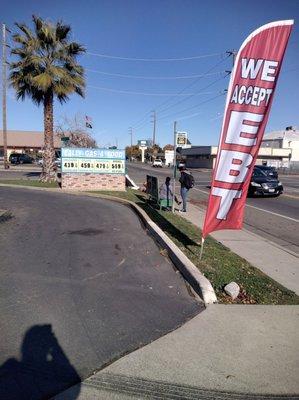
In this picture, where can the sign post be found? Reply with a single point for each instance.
(174, 163)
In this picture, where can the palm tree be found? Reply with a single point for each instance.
(46, 68)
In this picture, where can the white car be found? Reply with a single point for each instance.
(158, 163)
(57, 162)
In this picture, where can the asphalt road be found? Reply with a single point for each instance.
(275, 218)
(81, 283)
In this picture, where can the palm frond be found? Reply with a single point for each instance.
(24, 28)
(62, 31)
(38, 22)
(42, 82)
(75, 48)
(46, 61)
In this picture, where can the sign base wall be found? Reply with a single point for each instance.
(90, 181)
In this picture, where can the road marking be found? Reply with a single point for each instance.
(273, 213)
(200, 190)
(291, 196)
(260, 209)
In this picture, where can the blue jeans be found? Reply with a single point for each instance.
(184, 193)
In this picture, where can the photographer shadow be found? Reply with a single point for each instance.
(43, 371)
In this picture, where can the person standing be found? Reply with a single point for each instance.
(187, 182)
(165, 192)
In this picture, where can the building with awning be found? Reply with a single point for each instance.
(25, 142)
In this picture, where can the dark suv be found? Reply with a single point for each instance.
(262, 183)
(16, 158)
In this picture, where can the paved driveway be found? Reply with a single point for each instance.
(81, 283)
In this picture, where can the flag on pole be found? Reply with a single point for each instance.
(249, 98)
(88, 122)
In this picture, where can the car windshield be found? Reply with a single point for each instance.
(259, 172)
(268, 171)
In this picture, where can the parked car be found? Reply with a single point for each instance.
(57, 162)
(17, 158)
(270, 171)
(157, 163)
(263, 184)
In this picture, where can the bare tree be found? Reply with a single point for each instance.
(75, 130)
(133, 152)
(168, 147)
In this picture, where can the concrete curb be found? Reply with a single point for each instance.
(201, 285)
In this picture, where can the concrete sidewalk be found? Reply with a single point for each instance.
(227, 348)
(278, 263)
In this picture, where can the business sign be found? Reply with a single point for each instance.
(95, 161)
(248, 103)
(181, 139)
(144, 143)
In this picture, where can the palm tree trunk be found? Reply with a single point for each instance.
(48, 173)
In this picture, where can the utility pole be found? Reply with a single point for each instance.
(131, 133)
(4, 84)
(174, 164)
(154, 128)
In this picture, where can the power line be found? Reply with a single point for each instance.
(185, 88)
(189, 85)
(191, 108)
(219, 115)
(142, 119)
(181, 101)
(152, 77)
(190, 96)
(185, 117)
(194, 82)
(187, 109)
(144, 93)
(153, 59)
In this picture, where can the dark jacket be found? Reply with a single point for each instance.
(182, 179)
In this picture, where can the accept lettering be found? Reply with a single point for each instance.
(255, 95)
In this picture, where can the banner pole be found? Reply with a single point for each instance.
(201, 249)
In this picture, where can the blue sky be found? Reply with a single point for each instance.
(159, 29)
